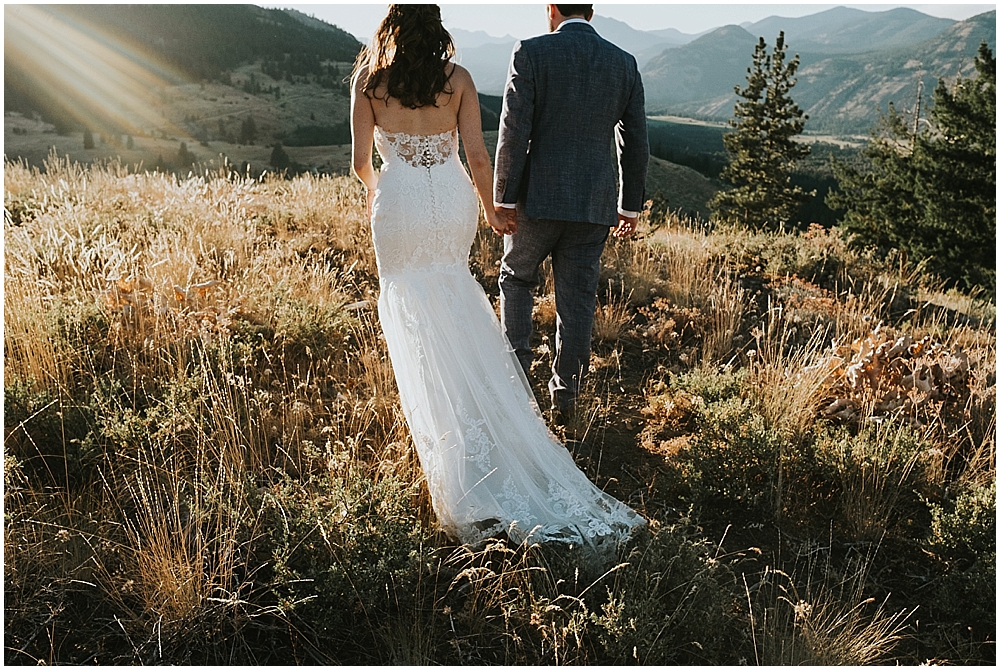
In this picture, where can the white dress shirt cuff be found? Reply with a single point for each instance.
(623, 212)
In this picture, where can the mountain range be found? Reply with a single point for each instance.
(842, 91)
(852, 62)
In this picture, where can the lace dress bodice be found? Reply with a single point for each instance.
(425, 211)
(424, 151)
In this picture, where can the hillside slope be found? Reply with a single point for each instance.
(846, 93)
(841, 93)
(846, 30)
(99, 65)
(707, 68)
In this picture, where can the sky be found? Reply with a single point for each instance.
(521, 19)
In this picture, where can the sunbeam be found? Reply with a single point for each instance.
(99, 81)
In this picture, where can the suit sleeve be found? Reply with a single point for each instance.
(515, 127)
(633, 150)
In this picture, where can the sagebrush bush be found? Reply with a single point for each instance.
(875, 473)
(733, 455)
(673, 603)
(964, 529)
(46, 433)
(963, 538)
(345, 555)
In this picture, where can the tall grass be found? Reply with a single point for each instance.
(205, 460)
(825, 621)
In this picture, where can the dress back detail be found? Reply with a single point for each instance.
(425, 211)
(417, 150)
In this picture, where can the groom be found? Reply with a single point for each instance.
(572, 145)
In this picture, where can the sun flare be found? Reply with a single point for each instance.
(98, 80)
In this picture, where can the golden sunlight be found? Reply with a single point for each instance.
(100, 81)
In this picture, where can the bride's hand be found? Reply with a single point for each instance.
(495, 223)
(369, 197)
(503, 221)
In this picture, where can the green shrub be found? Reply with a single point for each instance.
(965, 529)
(46, 433)
(672, 604)
(733, 455)
(711, 386)
(346, 554)
(312, 330)
(963, 602)
(875, 473)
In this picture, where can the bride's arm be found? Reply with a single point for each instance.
(470, 128)
(362, 135)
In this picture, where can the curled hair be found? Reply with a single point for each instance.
(408, 54)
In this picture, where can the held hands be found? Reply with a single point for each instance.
(503, 220)
(626, 226)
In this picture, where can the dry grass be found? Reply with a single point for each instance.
(825, 623)
(207, 462)
(611, 317)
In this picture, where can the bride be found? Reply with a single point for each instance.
(491, 464)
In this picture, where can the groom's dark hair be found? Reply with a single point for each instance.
(575, 10)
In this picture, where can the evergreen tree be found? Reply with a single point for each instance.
(762, 150)
(129, 143)
(88, 139)
(932, 192)
(248, 131)
(185, 157)
(279, 158)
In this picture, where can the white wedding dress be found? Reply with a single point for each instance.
(491, 464)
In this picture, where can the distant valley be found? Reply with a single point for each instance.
(184, 82)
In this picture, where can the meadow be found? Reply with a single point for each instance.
(205, 461)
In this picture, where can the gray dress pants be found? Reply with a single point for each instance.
(576, 249)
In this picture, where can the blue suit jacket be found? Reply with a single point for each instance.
(573, 126)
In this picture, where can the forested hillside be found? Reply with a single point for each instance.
(174, 44)
(841, 92)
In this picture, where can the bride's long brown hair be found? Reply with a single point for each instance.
(408, 54)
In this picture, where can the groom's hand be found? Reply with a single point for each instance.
(626, 226)
(507, 220)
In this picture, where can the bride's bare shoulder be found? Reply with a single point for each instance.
(359, 78)
(459, 75)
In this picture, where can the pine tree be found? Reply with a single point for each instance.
(185, 157)
(248, 131)
(88, 139)
(279, 158)
(762, 150)
(932, 192)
